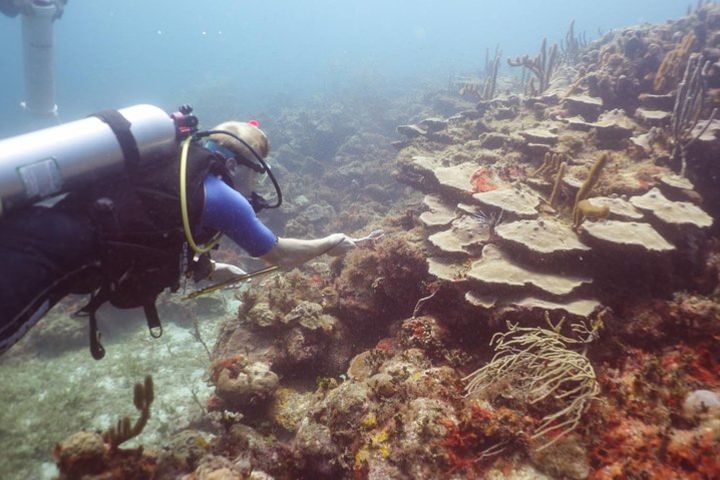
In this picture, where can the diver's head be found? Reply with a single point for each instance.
(249, 132)
(242, 175)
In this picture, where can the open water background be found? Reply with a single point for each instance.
(259, 55)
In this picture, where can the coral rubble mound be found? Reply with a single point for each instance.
(592, 193)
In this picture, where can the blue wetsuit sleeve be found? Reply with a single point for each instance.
(228, 211)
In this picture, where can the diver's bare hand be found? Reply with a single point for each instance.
(368, 239)
(223, 272)
(341, 244)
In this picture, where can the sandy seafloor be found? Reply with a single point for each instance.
(45, 399)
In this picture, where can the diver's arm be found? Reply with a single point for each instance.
(291, 252)
(229, 212)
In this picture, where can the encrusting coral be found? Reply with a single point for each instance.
(671, 68)
(378, 285)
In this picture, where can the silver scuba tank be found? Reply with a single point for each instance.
(55, 160)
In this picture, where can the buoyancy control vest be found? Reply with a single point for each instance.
(141, 244)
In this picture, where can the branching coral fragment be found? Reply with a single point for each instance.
(587, 186)
(572, 45)
(124, 431)
(542, 66)
(537, 366)
(551, 164)
(556, 185)
(586, 210)
(688, 108)
(483, 89)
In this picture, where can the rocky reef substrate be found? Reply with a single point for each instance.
(545, 302)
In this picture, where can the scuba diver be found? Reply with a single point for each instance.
(126, 203)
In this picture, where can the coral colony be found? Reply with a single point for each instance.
(550, 309)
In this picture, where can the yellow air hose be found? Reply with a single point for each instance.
(240, 278)
(184, 205)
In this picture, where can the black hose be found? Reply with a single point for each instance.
(262, 168)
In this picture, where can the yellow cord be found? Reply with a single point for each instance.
(184, 206)
(240, 278)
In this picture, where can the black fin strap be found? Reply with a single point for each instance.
(96, 349)
(153, 320)
(90, 310)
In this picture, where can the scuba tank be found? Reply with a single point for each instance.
(56, 160)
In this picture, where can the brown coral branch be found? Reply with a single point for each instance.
(572, 45)
(589, 183)
(542, 66)
(491, 77)
(421, 302)
(551, 164)
(556, 186)
(124, 430)
(586, 210)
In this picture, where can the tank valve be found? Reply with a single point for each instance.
(185, 122)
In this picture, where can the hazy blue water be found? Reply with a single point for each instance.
(117, 53)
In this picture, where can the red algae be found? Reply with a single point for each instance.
(482, 181)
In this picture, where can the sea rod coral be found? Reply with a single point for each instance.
(537, 366)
